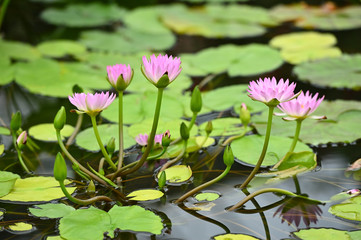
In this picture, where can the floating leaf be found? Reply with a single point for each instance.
(46, 132)
(178, 173)
(6, 73)
(207, 196)
(350, 209)
(86, 138)
(248, 149)
(225, 127)
(54, 238)
(7, 181)
(4, 131)
(145, 195)
(18, 50)
(2, 212)
(37, 75)
(51, 210)
(326, 233)
(60, 48)
(341, 72)
(21, 227)
(234, 236)
(306, 46)
(84, 15)
(91, 223)
(36, 189)
(138, 107)
(246, 60)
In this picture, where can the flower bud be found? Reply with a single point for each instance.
(21, 141)
(245, 115)
(15, 122)
(209, 127)
(184, 131)
(91, 187)
(60, 171)
(60, 119)
(111, 146)
(166, 139)
(228, 157)
(196, 100)
(162, 180)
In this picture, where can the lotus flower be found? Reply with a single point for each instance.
(296, 209)
(119, 76)
(92, 104)
(270, 92)
(161, 70)
(301, 107)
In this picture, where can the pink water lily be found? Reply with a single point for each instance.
(301, 107)
(270, 92)
(119, 76)
(142, 139)
(92, 104)
(161, 70)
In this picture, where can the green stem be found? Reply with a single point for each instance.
(120, 122)
(265, 190)
(297, 134)
(264, 150)
(151, 136)
(19, 154)
(204, 185)
(297, 184)
(102, 177)
(193, 120)
(3, 11)
(102, 148)
(158, 155)
(230, 139)
(74, 161)
(80, 201)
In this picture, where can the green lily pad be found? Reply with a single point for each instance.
(7, 181)
(234, 236)
(18, 50)
(225, 97)
(178, 173)
(46, 132)
(4, 131)
(127, 41)
(145, 195)
(20, 227)
(138, 107)
(36, 76)
(54, 238)
(51, 210)
(60, 48)
(84, 15)
(326, 233)
(225, 127)
(86, 138)
(91, 223)
(7, 73)
(306, 46)
(36, 189)
(341, 72)
(344, 128)
(319, 17)
(199, 21)
(207, 196)
(349, 209)
(246, 60)
(249, 148)
(172, 125)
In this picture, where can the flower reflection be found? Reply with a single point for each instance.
(295, 209)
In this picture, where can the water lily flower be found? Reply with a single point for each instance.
(161, 70)
(92, 104)
(270, 92)
(119, 76)
(301, 107)
(158, 139)
(142, 139)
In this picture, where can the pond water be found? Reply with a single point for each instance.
(180, 221)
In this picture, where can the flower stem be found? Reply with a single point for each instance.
(265, 190)
(19, 154)
(176, 159)
(102, 148)
(151, 136)
(80, 201)
(193, 120)
(264, 150)
(297, 134)
(204, 185)
(120, 122)
(3, 8)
